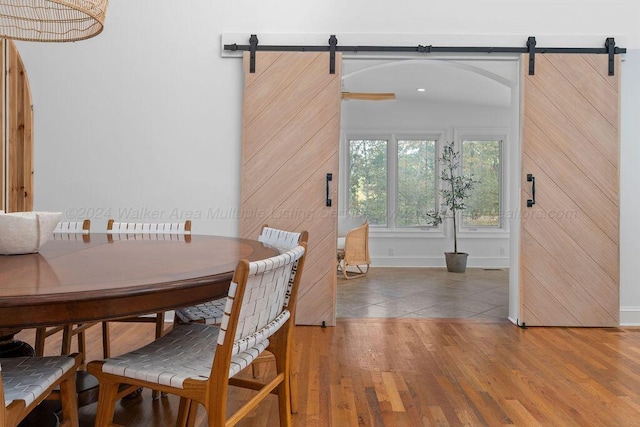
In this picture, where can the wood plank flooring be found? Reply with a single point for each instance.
(428, 372)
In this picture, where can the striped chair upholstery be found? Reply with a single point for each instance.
(80, 227)
(198, 362)
(283, 240)
(181, 228)
(27, 381)
(211, 312)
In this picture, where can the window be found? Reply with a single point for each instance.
(392, 181)
(368, 179)
(416, 181)
(482, 158)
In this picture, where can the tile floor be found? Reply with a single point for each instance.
(425, 292)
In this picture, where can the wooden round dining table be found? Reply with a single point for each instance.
(75, 278)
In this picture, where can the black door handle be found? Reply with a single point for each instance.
(329, 178)
(532, 180)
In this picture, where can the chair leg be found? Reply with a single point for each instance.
(284, 397)
(193, 414)
(69, 401)
(67, 335)
(293, 385)
(159, 324)
(183, 412)
(41, 334)
(155, 394)
(350, 276)
(282, 351)
(106, 339)
(294, 368)
(106, 403)
(82, 345)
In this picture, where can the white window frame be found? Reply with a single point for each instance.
(344, 181)
(489, 135)
(392, 179)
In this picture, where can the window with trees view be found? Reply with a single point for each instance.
(482, 158)
(368, 179)
(392, 181)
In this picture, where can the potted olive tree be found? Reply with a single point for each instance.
(455, 189)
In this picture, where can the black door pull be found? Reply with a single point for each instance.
(532, 180)
(329, 178)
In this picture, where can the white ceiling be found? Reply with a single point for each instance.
(466, 81)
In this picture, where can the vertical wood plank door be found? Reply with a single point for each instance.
(20, 134)
(290, 140)
(569, 263)
(17, 132)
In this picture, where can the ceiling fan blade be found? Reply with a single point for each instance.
(369, 96)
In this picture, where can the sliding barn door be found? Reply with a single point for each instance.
(570, 236)
(290, 139)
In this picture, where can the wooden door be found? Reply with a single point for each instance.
(290, 140)
(569, 239)
(16, 138)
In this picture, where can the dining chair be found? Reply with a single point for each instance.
(138, 228)
(199, 362)
(153, 230)
(69, 330)
(212, 312)
(27, 381)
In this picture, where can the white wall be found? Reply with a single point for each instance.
(147, 116)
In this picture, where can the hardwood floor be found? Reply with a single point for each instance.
(427, 372)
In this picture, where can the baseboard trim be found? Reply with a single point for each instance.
(472, 262)
(629, 316)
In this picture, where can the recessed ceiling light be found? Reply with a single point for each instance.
(421, 89)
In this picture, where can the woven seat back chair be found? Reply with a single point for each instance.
(27, 381)
(198, 362)
(67, 230)
(127, 230)
(211, 312)
(353, 246)
(144, 229)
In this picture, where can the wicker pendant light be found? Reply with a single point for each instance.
(51, 20)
